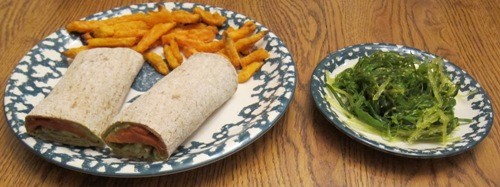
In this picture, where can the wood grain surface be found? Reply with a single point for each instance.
(303, 149)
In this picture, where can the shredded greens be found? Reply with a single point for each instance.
(399, 96)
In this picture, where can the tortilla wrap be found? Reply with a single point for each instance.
(87, 97)
(154, 125)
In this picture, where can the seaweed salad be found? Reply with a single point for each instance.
(398, 96)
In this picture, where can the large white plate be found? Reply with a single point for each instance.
(253, 110)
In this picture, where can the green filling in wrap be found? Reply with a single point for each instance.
(135, 150)
(132, 150)
(66, 137)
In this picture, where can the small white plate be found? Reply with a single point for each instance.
(472, 103)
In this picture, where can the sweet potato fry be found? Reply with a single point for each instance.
(248, 71)
(110, 30)
(165, 39)
(155, 44)
(217, 19)
(199, 45)
(112, 42)
(192, 26)
(231, 51)
(188, 51)
(130, 33)
(185, 17)
(125, 18)
(250, 41)
(153, 18)
(256, 56)
(214, 29)
(88, 26)
(171, 60)
(199, 10)
(247, 50)
(175, 50)
(204, 34)
(131, 25)
(72, 52)
(199, 31)
(85, 37)
(162, 8)
(154, 34)
(104, 31)
(212, 19)
(198, 26)
(222, 53)
(83, 26)
(245, 30)
(209, 32)
(157, 62)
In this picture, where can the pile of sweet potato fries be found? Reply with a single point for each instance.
(180, 33)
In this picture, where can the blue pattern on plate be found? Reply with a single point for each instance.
(480, 126)
(41, 68)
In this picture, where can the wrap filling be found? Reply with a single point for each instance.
(137, 142)
(59, 130)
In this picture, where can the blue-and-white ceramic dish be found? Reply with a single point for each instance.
(472, 103)
(256, 106)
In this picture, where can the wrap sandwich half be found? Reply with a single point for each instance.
(87, 97)
(155, 124)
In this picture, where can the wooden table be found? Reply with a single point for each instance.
(303, 149)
